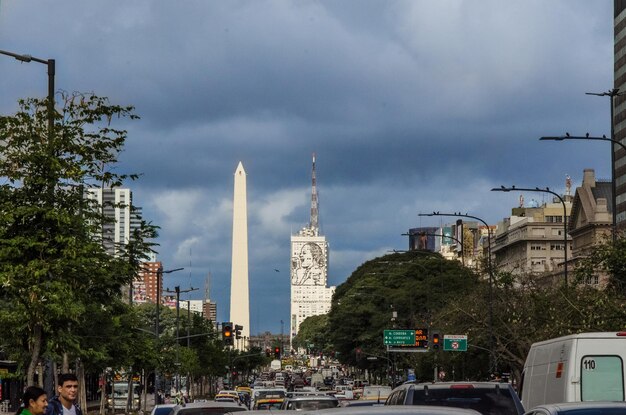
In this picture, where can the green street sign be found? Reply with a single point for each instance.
(399, 337)
(454, 343)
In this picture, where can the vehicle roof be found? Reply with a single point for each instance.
(209, 404)
(481, 384)
(394, 410)
(596, 335)
(318, 397)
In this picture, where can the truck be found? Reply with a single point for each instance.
(275, 365)
(575, 368)
(119, 396)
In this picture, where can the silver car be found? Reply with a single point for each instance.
(207, 408)
(396, 410)
(309, 402)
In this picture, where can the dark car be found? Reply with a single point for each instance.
(488, 398)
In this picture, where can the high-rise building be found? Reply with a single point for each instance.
(121, 220)
(619, 110)
(239, 293)
(310, 295)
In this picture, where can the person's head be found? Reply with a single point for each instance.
(67, 387)
(35, 400)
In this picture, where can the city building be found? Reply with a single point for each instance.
(145, 285)
(531, 240)
(121, 218)
(209, 311)
(591, 219)
(310, 295)
(619, 109)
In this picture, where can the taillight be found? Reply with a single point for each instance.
(462, 386)
(621, 334)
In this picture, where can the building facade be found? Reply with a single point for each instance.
(591, 220)
(619, 109)
(121, 219)
(531, 240)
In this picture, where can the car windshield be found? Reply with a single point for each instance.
(487, 401)
(269, 405)
(162, 411)
(313, 405)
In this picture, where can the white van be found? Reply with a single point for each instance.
(575, 368)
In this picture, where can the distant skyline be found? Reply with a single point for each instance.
(410, 106)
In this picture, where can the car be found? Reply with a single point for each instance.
(207, 408)
(162, 409)
(375, 392)
(580, 408)
(310, 402)
(268, 403)
(396, 410)
(488, 398)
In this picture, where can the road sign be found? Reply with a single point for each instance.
(399, 337)
(454, 343)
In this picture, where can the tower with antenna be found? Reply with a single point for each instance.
(314, 224)
(310, 295)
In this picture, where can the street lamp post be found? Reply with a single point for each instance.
(492, 359)
(177, 291)
(546, 190)
(567, 136)
(159, 281)
(51, 72)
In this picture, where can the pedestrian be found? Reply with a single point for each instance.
(34, 401)
(63, 403)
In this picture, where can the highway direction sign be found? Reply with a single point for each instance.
(454, 343)
(399, 337)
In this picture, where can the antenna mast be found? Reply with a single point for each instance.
(314, 202)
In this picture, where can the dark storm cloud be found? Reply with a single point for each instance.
(411, 106)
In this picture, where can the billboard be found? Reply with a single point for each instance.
(309, 263)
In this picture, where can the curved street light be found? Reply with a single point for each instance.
(492, 359)
(567, 136)
(546, 190)
(51, 72)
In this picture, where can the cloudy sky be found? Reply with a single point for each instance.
(411, 106)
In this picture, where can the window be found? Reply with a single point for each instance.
(602, 378)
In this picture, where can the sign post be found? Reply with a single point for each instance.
(399, 337)
(454, 343)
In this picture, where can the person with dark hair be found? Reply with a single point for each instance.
(63, 403)
(34, 401)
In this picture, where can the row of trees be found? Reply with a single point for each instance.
(424, 290)
(61, 292)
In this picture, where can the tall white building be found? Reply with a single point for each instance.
(310, 295)
(116, 207)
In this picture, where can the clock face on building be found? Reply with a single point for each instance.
(308, 264)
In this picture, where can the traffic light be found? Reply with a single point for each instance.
(238, 329)
(435, 340)
(277, 352)
(227, 334)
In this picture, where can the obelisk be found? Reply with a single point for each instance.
(239, 295)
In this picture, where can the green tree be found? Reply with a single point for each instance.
(401, 291)
(313, 334)
(53, 266)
